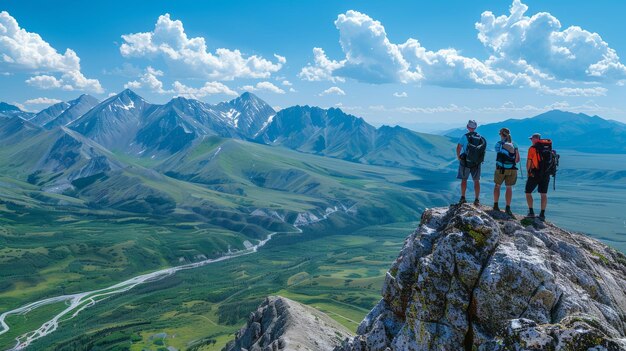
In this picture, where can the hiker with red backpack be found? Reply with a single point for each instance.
(470, 151)
(542, 163)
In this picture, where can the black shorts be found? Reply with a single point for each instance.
(535, 181)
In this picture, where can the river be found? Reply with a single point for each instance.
(76, 303)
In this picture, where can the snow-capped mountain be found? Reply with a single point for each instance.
(76, 109)
(331, 132)
(48, 114)
(114, 122)
(8, 111)
(247, 113)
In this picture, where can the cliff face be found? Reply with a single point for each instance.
(283, 324)
(467, 281)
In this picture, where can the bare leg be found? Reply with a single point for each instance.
(477, 188)
(544, 201)
(529, 200)
(508, 195)
(463, 187)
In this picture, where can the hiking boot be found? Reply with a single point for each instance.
(542, 216)
(508, 211)
(462, 201)
(496, 207)
(476, 202)
(531, 214)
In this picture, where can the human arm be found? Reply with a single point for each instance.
(517, 156)
(458, 151)
(529, 161)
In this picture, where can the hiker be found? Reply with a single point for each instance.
(506, 169)
(470, 151)
(541, 164)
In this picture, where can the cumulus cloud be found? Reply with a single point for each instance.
(44, 82)
(322, 68)
(264, 86)
(209, 88)
(150, 79)
(333, 91)
(539, 41)
(400, 95)
(26, 51)
(41, 101)
(533, 52)
(287, 83)
(370, 56)
(190, 55)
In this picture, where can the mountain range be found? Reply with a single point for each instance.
(126, 123)
(126, 154)
(572, 131)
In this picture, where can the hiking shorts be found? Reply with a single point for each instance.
(506, 176)
(464, 172)
(541, 182)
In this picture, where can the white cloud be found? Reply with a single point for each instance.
(28, 52)
(132, 85)
(287, 83)
(370, 56)
(191, 55)
(322, 69)
(264, 86)
(333, 91)
(589, 107)
(209, 88)
(149, 79)
(44, 82)
(566, 91)
(570, 54)
(41, 101)
(526, 51)
(400, 95)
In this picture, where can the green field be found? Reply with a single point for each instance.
(340, 274)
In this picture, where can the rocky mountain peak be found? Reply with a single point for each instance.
(467, 279)
(4, 107)
(283, 324)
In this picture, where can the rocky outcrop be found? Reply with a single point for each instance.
(283, 324)
(468, 281)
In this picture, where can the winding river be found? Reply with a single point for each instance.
(80, 301)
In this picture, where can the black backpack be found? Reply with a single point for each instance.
(548, 159)
(506, 158)
(475, 150)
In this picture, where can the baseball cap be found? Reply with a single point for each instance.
(472, 124)
(535, 136)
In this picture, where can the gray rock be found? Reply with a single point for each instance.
(283, 324)
(465, 280)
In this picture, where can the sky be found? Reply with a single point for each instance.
(426, 65)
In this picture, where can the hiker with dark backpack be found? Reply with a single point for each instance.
(541, 164)
(507, 157)
(470, 151)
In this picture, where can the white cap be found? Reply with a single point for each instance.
(472, 124)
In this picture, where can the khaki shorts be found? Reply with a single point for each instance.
(506, 176)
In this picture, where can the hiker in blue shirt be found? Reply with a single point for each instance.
(506, 169)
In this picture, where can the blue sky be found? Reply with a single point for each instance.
(422, 64)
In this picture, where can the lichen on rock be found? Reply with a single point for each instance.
(467, 280)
